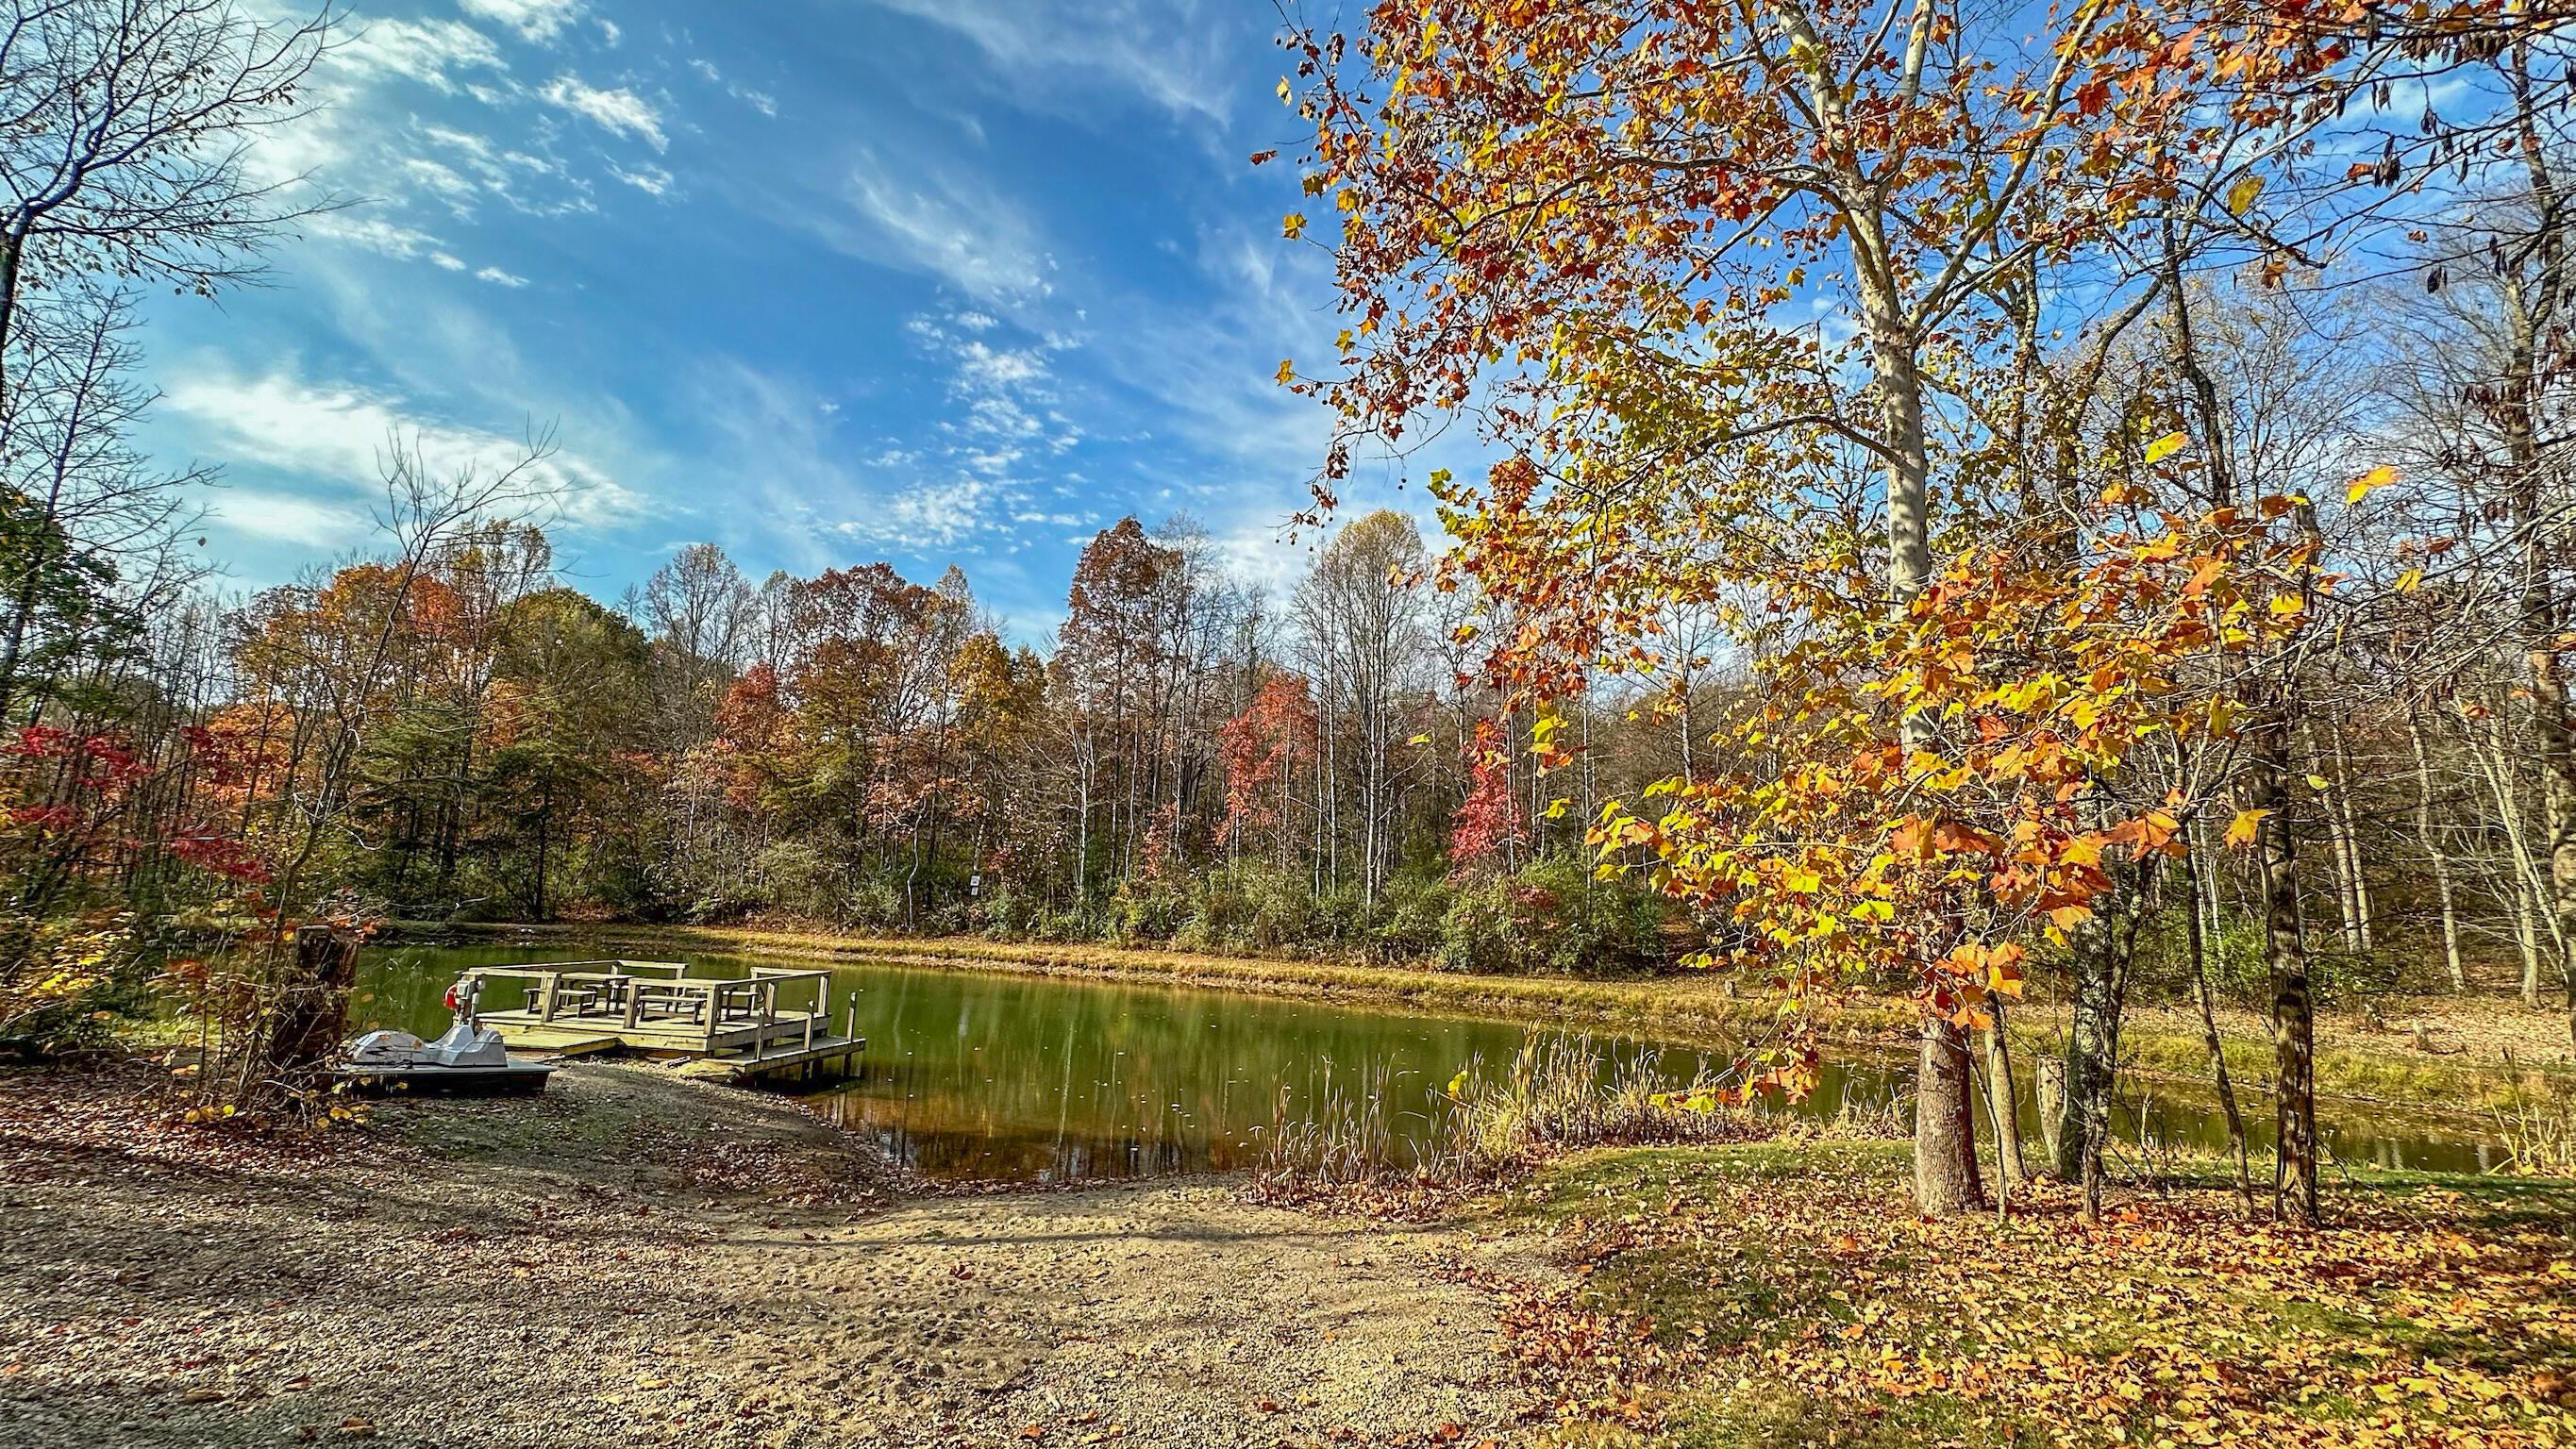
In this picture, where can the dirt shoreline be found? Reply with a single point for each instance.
(638, 1259)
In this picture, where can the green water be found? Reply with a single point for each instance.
(979, 1076)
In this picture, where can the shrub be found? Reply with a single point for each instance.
(1551, 918)
(1411, 918)
(65, 982)
(792, 876)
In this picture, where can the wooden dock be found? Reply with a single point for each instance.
(774, 1022)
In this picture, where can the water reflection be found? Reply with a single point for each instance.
(985, 1077)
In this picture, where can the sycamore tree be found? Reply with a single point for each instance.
(1731, 285)
(1608, 231)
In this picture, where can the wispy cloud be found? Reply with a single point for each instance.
(534, 19)
(1166, 51)
(652, 180)
(284, 517)
(373, 233)
(713, 75)
(616, 109)
(339, 434)
(941, 221)
(788, 451)
(432, 52)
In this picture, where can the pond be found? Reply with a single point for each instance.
(975, 1075)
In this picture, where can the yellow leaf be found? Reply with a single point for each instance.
(2242, 194)
(2409, 581)
(2316, 782)
(1287, 371)
(1293, 225)
(2379, 477)
(2245, 827)
(2165, 447)
(1804, 882)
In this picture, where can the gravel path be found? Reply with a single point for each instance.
(634, 1259)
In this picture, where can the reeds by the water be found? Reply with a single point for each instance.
(1557, 1093)
(2538, 1132)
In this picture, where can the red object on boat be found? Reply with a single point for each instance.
(451, 998)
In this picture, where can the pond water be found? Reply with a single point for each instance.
(982, 1076)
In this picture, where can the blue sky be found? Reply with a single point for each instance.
(823, 281)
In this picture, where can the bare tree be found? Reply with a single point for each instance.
(125, 129)
(82, 505)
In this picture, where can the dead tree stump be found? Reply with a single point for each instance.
(312, 1012)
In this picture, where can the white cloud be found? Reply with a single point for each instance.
(802, 480)
(761, 101)
(428, 51)
(447, 262)
(533, 19)
(1168, 51)
(338, 434)
(285, 517)
(933, 515)
(942, 222)
(652, 180)
(618, 110)
(442, 180)
(500, 278)
(373, 233)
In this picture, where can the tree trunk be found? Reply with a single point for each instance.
(2002, 1102)
(2558, 787)
(2294, 1179)
(2534, 305)
(2209, 1035)
(2430, 838)
(311, 1014)
(1945, 1126)
(2350, 833)
(1946, 1179)
(2048, 1097)
(2530, 895)
(2346, 876)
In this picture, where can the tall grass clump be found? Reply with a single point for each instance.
(2538, 1133)
(1557, 1093)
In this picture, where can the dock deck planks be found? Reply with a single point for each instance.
(731, 1028)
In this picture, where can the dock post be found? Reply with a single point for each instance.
(768, 993)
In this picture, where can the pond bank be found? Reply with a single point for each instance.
(639, 1259)
(2485, 1051)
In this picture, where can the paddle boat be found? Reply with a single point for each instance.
(469, 1059)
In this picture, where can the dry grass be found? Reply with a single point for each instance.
(1558, 1094)
(2539, 1135)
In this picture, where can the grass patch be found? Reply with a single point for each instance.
(1789, 1295)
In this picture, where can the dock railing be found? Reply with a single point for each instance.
(660, 998)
